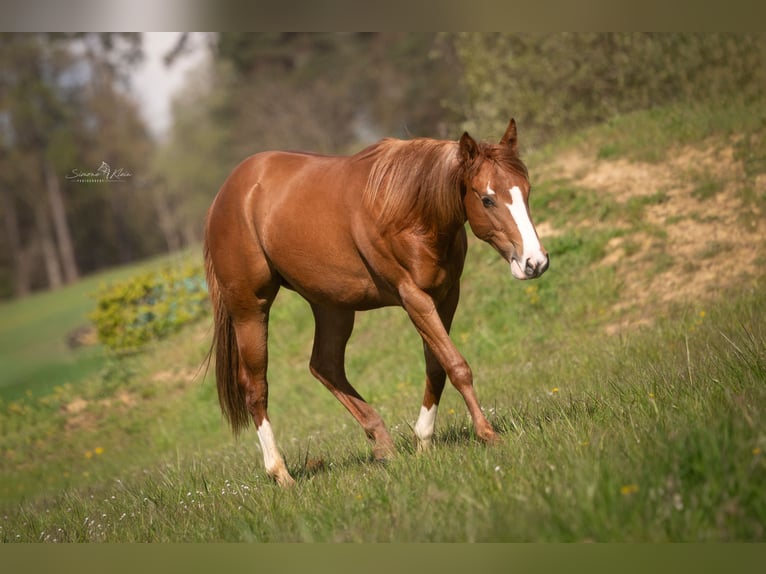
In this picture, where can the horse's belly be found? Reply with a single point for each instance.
(331, 273)
(329, 283)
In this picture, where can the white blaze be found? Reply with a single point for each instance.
(520, 215)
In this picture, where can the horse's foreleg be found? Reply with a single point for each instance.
(435, 379)
(252, 336)
(428, 321)
(435, 376)
(333, 329)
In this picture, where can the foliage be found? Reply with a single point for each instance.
(557, 82)
(333, 92)
(194, 160)
(63, 107)
(150, 306)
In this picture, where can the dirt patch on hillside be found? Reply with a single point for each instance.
(88, 414)
(697, 236)
(83, 414)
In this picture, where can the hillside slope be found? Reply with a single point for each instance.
(683, 227)
(626, 383)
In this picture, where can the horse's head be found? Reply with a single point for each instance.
(496, 199)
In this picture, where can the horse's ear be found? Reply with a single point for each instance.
(469, 149)
(509, 138)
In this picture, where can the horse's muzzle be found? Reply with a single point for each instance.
(530, 267)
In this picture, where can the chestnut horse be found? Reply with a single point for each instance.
(385, 226)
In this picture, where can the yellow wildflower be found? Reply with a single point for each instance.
(532, 292)
(628, 489)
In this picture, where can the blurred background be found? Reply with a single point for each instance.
(170, 114)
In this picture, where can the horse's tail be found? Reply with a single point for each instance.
(231, 395)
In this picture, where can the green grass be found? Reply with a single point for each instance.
(654, 434)
(651, 135)
(641, 438)
(33, 335)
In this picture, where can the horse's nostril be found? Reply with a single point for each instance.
(530, 268)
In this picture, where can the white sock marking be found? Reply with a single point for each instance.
(271, 457)
(424, 428)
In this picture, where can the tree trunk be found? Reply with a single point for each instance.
(122, 236)
(47, 246)
(192, 233)
(166, 220)
(60, 224)
(20, 269)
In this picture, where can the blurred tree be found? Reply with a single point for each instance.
(192, 163)
(558, 82)
(333, 92)
(33, 112)
(44, 115)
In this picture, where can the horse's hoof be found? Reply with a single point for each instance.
(283, 479)
(286, 481)
(383, 453)
(422, 445)
(490, 438)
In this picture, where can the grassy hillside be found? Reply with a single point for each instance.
(34, 332)
(627, 383)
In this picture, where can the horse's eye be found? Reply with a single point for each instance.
(488, 201)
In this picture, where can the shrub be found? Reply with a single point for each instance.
(555, 83)
(149, 306)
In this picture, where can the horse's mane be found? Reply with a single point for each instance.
(419, 180)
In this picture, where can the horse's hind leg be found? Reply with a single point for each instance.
(252, 335)
(333, 329)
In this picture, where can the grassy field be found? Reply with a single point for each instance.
(631, 406)
(33, 335)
